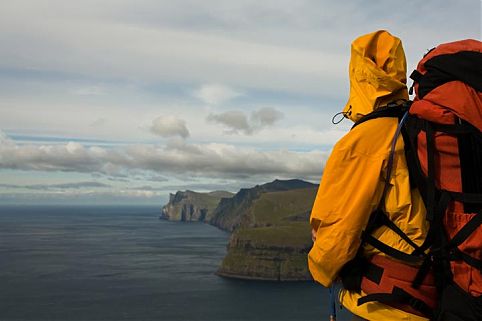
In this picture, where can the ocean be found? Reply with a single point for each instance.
(123, 263)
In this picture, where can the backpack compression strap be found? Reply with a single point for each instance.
(437, 200)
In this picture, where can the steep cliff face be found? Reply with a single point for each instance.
(275, 244)
(191, 206)
(235, 212)
(268, 253)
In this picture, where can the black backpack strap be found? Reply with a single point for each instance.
(379, 218)
(397, 254)
(384, 220)
(398, 296)
(444, 250)
(410, 131)
(392, 110)
(430, 138)
(466, 230)
(452, 246)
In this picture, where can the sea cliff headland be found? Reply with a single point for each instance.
(269, 225)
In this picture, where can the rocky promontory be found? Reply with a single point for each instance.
(269, 224)
(189, 206)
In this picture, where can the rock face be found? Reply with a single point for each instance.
(273, 238)
(234, 212)
(191, 206)
(269, 223)
(251, 257)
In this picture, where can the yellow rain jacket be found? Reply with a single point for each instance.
(353, 179)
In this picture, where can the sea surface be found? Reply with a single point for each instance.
(123, 263)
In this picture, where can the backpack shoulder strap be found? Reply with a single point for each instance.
(392, 110)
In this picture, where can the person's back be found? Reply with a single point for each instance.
(352, 188)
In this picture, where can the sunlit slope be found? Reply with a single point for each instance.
(237, 211)
(275, 244)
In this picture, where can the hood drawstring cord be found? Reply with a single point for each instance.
(344, 115)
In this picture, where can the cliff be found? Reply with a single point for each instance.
(191, 206)
(275, 244)
(269, 223)
(236, 211)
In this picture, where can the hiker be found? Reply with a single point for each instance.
(399, 209)
(353, 186)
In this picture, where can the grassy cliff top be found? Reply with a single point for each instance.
(284, 207)
(293, 235)
(280, 219)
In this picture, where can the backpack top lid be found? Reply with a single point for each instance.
(448, 48)
(448, 79)
(377, 73)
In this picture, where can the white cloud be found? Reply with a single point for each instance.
(85, 196)
(73, 67)
(266, 116)
(215, 94)
(300, 47)
(178, 156)
(168, 126)
(63, 186)
(236, 121)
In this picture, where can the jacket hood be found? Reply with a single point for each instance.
(377, 73)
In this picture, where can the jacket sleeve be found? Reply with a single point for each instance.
(349, 191)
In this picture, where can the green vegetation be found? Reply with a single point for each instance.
(275, 244)
(278, 208)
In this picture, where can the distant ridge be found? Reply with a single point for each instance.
(234, 212)
(190, 206)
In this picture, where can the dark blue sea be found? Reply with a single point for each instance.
(123, 263)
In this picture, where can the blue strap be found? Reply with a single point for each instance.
(332, 303)
(392, 153)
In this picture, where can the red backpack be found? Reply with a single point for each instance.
(444, 154)
(441, 130)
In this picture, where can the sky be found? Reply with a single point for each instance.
(124, 102)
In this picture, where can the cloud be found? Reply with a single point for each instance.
(176, 157)
(298, 50)
(234, 120)
(75, 185)
(168, 126)
(266, 116)
(237, 121)
(299, 46)
(215, 94)
(82, 197)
